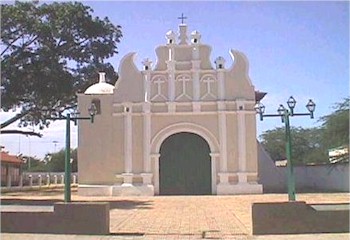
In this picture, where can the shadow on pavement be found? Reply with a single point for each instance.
(117, 204)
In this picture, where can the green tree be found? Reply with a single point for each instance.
(335, 128)
(33, 164)
(56, 161)
(49, 52)
(336, 125)
(311, 145)
(307, 145)
(274, 142)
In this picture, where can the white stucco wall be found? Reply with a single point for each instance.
(332, 177)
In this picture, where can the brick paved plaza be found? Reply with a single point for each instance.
(179, 217)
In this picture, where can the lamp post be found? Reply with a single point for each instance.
(67, 166)
(284, 114)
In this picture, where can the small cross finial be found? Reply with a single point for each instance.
(182, 18)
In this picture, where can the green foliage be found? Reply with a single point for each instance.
(33, 164)
(336, 125)
(57, 161)
(307, 145)
(311, 145)
(274, 142)
(50, 52)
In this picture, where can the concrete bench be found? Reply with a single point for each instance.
(297, 218)
(67, 218)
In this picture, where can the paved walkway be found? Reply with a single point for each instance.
(7, 236)
(179, 217)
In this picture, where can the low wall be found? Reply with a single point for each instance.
(322, 178)
(67, 218)
(297, 218)
(38, 179)
(47, 177)
(332, 177)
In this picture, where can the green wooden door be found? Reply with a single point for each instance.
(184, 165)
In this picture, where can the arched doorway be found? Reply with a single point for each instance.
(185, 165)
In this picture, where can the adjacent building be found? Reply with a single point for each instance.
(11, 169)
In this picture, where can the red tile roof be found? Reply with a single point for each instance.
(7, 158)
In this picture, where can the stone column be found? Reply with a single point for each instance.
(55, 179)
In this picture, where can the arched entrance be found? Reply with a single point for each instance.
(185, 165)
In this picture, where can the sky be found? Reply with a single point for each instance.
(298, 49)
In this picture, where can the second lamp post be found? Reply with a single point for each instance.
(284, 114)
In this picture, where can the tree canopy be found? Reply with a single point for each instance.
(33, 164)
(49, 52)
(336, 125)
(306, 145)
(311, 145)
(53, 162)
(56, 161)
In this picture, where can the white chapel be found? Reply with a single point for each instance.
(180, 126)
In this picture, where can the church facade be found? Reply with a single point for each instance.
(183, 125)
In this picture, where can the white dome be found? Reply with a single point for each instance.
(101, 87)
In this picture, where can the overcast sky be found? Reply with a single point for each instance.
(294, 48)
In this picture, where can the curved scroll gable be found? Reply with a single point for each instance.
(127, 64)
(205, 52)
(239, 83)
(129, 87)
(162, 53)
(240, 64)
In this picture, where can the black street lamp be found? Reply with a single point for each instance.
(285, 114)
(67, 167)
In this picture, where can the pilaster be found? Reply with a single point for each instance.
(242, 154)
(155, 160)
(221, 84)
(147, 85)
(146, 137)
(223, 136)
(127, 138)
(171, 83)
